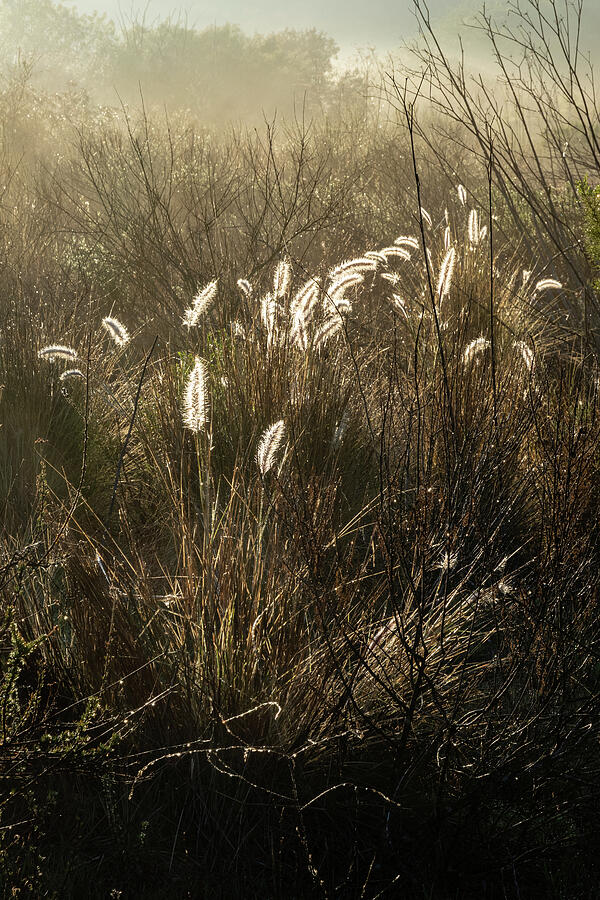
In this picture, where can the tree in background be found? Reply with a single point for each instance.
(217, 72)
(63, 46)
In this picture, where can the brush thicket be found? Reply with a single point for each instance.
(326, 551)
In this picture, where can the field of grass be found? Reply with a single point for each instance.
(299, 495)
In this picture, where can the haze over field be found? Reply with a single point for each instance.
(229, 61)
(384, 26)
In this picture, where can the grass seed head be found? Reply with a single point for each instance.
(479, 345)
(473, 228)
(395, 251)
(281, 279)
(446, 273)
(245, 287)
(57, 351)
(200, 304)
(269, 445)
(548, 284)
(408, 240)
(116, 330)
(195, 399)
(360, 264)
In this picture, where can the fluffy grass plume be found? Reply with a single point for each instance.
(394, 251)
(548, 284)
(281, 279)
(462, 194)
(407, 240)
(376, 255)
(446, 272)
(269, 445)
(339, 287)
(116, 330)
(269, 309)
(305, 300)
(360, 264)
(200, 304)
(57, 351)
(473, 228)
(71, 373)
(298, 332)
(331, 326)
(195, 400)
(245, 287)
(474, 348)
(341, 305)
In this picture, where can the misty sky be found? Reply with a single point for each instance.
(354, 23)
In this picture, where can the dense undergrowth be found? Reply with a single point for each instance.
(299, 587)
